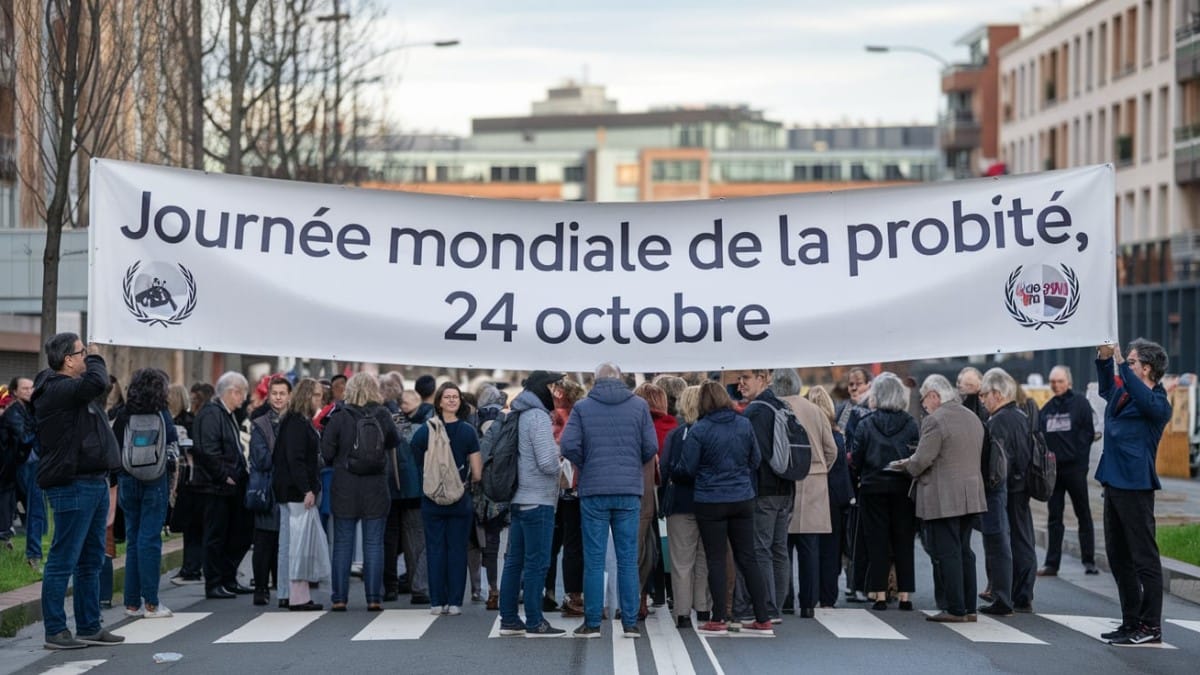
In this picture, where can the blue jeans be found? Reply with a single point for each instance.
(447, 533)
(80, 512)
(145, 507)
(343, 554)
(35, 509)
(527, 559)
(598, 514)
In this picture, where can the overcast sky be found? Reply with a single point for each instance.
(802, 62)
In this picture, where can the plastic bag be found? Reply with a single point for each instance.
(309, 550)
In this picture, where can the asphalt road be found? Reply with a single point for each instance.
(215, 636)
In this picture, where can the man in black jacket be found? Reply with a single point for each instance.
(1008, 428)
(1069, 427)
(78, 451)
(221, 475)
(773, 507)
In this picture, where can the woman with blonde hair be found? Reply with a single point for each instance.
(357, 450)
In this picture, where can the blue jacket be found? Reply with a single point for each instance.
(609, 436)
(720, 455)
(1134, 419)
(679, 499)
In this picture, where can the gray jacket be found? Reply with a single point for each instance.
(537, 454)
(946, 464)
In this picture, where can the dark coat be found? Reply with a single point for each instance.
(73, 432)
(1067, 423)
(217, 452)
(883, 437)
(1134, 419)
(609, 436)
(352, 495)
(762, 418)
(679, 499)
(296, 459)
(841, 490)
(1009, 428)
(720, 457)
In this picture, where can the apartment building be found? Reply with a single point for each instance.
(969, 125)
(576, 145)
(1101, 84)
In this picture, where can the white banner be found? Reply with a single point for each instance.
(183, 259)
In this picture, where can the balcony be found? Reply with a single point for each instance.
(961, 77)
(1187, 154)
(959, 130)
(1187, 59)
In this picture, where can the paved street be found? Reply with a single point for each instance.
(218, 635)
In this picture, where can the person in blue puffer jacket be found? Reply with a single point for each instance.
(1135, 413)
(721, 457)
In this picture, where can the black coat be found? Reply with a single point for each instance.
(883, 437)
(73, 432)
(352, 495)
(1009, 428)
(217, 451)
(762, 419)
(1070, 429)
(296, 459)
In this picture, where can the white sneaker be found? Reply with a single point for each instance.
(453, 610)
(159, 612)
(437, 610)
(135, 613)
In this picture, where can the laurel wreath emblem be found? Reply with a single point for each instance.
(141, 315)
(1015, 311)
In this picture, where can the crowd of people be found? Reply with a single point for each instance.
(325, 479)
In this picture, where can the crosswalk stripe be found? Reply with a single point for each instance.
(272, 627)
(1190, 625)
(1092, 626)
(624, 651)
(856, 623)
(397, 624)
(148, 631)
(987, 629)
(74, 667)
(670, 654)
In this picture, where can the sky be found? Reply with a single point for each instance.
(802, 62)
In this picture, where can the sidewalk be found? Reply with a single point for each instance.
(1176, 504)
(23, 606)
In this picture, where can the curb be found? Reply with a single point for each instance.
(1180, 579)
(23, 606)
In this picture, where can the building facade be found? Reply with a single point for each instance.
(969, 126)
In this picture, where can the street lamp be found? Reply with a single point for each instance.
(354, 126)
(885, 49)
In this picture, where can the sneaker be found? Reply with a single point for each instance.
(586, 631)
(1121, 631)
(158, 612)
(631, 631)
(185, 580)
(777, 620)
(713, 628)
(1142, 635)
(103, 639)
(760, 628)
(511, 629)
(996, 609)
(1090, 568)
(437, 610)
(134, 612)
(63, 640)
(545, 630)
(735, 626)
(453, 610)
(356, 570)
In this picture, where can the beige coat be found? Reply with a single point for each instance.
(810, 511)
(946, 465)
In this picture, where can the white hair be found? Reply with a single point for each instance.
(1066, 373)
(939, 384)
(889, 393)
(999, 381)
(231, 380)
(608, 370)
(785, 382)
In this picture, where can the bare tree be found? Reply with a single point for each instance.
(75, 64)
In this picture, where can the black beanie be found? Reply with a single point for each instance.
(539, 382)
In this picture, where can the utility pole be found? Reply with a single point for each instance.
(336, 18)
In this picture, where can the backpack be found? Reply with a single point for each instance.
(144, 452)
(1043, 468)
(791, 456)
(366, 456)
(499, 448)
(442, 483)
(260, 491)
(995, 473)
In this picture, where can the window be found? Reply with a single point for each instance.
(827, 172)
(892, 172)
(1075, 143)
(1075, 59)
(1089, 56)
(1148, 32)
(573, 174)
(1144, 120)
(1088, 142)
(675, 171)
(1144, 219)
(497, 174)
(1165, 35)
(1102, 59)
(1164, 210)
(514, 174)
(800, 172)
(858, 171)
(1102, 149)
(1021, 91)
(1164, 122)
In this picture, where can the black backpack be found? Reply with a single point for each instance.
(499, 448)
(1043, 468)
(367, 456)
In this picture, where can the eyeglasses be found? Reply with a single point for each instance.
(81, 352)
